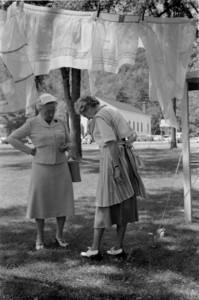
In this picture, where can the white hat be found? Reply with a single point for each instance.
(47, 98)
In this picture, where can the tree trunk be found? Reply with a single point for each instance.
(75, 120)
(173, 130)
(65, 72)
(71, 95)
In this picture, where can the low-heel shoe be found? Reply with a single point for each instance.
(117, 253)
(61, 243)
(93, 254)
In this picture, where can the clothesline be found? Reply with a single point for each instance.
(61, 38)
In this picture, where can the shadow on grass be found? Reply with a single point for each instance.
(153, 266)
(18, 167)
(173, 252)
(21, 288)
(159, 162)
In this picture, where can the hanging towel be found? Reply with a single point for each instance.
(168, 44)
(114, 42)
(62, 38)
(21, 82)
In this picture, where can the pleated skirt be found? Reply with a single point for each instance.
(120, 213)
(50, 192)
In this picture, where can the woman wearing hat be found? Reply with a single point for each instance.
(51, 190)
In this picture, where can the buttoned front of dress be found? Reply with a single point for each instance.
(46, 138)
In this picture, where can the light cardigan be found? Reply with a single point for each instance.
(46, 139)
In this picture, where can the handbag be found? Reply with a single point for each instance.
(73, 166)
(74, 170)
(138, 160)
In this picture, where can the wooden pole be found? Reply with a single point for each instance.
(186, 156)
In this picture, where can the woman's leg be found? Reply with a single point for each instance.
(94, 251)
(60, 228)
(121, 229)
(40, 231)
(98, 233)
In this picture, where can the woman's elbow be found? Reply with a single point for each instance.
(10, 139)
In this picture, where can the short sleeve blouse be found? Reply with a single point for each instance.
(104, 133)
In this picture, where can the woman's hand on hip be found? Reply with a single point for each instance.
(33, 151)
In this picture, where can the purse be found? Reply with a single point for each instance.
(73, 166)
(138, 160)
(74, 170)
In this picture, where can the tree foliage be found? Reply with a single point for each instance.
(13, 121)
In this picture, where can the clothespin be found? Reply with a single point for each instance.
(95, 15)
(121, 18)
(20, 4)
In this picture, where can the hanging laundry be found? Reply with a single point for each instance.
(3, 17)
(7, 85)
(168, 44)
(62, 38)
(114, 42)
(19, 88)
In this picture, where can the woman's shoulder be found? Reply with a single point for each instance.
(108, 109)
(33, 120)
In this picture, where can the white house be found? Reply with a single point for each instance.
(138, 120)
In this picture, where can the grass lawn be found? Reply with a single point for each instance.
(163, 268)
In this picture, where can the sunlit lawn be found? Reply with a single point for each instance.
(159, 269)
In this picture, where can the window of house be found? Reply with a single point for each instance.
(137, 126)
(133, 125)
(141, 127)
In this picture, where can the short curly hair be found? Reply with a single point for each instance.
(84, 103)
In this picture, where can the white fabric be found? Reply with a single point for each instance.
(61, 38)
(3, 17)
(103, 133)
(14, 54)
(114, 43)
(168, 44)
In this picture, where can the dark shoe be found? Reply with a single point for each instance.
(61, 243)
(120, 253)
(92, 254)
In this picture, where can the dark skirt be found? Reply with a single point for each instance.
(120, 214)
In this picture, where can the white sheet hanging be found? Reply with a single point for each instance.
(168, 44)
(59, 38)
(21, 80)
(114, 42)
(62, 38)
(3, 18)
